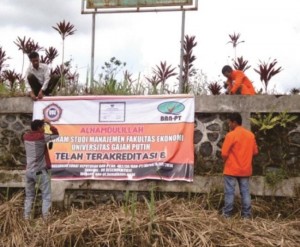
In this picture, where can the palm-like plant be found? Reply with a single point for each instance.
(295, 91)
(163, 72)
(59, 71)
(51, 54)
(241, 64)
(65, 29)
(234, 40)
(267, 71)
(188, 59)
(3, 58)
(154, 81)
(214, 88)
(26, 46)
(12, 77)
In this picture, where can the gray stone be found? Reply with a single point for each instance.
(3, 124)
(214, 127)
(9, 133)
(220, 143)
(206, 149)
(223, 117)
(4, 141)
(206, 118)
(15, 142)
(10, 118)
(26, 119)
(295, 137)
(17, 126)
(212, 136)
(197, 136)
(225, 127)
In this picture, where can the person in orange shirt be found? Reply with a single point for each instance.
(237, 82)
(238, 149)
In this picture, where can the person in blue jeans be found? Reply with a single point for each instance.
(38, 164)
(238, 150)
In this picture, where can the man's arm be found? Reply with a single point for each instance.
(238, 81)
(28, 89)
(228, 86)
(54, 135)
(226, 147)
(46, 81)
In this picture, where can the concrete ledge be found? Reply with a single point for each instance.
(239, 103)
(203, 103)
(16, 105)
(287, 188)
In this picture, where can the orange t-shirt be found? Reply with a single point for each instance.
(238, 149)
(240, 81)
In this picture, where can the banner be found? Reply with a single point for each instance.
(121, 137)
(92, 4)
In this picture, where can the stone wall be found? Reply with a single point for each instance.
(210, 129)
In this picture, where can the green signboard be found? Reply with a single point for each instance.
(92, 4)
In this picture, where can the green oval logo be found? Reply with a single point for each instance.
(171, 107)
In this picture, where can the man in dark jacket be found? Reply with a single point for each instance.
(38, 163)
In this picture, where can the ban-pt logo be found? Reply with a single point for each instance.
(172, 110)
(171, 107)
(52, 112)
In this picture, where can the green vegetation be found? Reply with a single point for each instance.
(272, 131)
(162, 80)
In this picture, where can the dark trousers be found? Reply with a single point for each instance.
(36, 86)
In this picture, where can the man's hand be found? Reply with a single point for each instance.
(32, 95)
(47, 121)
(40, 95)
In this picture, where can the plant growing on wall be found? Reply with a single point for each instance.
(295, 91)
(3, 59)
(154, 81)
(266, 71)
(272, 134)
(214, 88)
(241, 64)
(163, 72)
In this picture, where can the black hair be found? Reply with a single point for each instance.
(226, 68)
(235, 117)
(33, 54)
(36, 124)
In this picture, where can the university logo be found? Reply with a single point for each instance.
(52, 112)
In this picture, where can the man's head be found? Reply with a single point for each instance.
(235, 119)
(37, 125)
(34, 59)
(226, 71)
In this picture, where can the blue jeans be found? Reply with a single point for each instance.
(33, 182)
(229, 191)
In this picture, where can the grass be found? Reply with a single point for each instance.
(173, 222)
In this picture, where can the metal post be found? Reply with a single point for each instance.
(93, 50)
(181, 52)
